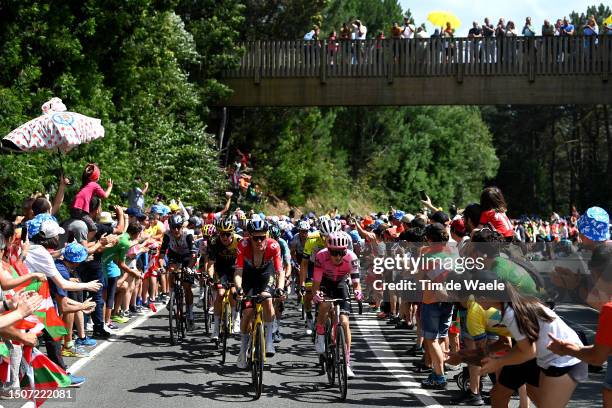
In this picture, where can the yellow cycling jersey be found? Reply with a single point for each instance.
(314, 243)
(481, 322)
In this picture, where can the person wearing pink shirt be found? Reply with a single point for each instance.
(89, 188)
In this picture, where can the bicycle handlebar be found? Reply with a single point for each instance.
(259, 298)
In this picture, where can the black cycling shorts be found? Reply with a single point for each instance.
(256, 281)
(337, 290)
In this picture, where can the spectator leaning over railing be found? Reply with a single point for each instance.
(528, 30)
(548, 30)
(567, 28)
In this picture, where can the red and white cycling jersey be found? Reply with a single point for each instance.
(271, 256)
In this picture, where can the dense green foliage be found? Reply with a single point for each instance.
(128, 63)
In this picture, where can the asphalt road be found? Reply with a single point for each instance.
(139, 368)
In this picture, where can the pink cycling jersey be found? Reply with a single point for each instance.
(325, 267)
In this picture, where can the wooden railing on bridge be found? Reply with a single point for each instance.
(428, 57)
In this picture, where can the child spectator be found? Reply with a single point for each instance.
(89, 188)
(493, 207)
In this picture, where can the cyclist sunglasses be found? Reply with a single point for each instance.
(226, 234)
(337, 252)
(258, 238)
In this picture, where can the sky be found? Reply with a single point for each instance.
(516, 10)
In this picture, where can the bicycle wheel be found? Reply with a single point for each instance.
(171, 317)
(180, 314)
(259, 350)
(206, 289)
(227, 326)
(210, 302)
(330, 355)
(341, 362)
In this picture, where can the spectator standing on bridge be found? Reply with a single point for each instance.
(511, 29)
(312, 35)
(407, 29)
(500, 30)
(567, 28)
(396, 31)
(332, 46)
(591, 28)
(487, 28)
(488, 31)
(360, 32)
(345, 32)
(528, 30)
(548, 30)
(473, 49)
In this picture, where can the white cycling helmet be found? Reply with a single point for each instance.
(337, 240)
(328, 226)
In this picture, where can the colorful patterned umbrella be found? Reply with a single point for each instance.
(55, 129)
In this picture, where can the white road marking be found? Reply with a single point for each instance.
(76, 366)
(402, 375)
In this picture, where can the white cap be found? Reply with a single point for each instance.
(50, 229)
(106, 218)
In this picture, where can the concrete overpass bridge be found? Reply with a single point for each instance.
(431, 71)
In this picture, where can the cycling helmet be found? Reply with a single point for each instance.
(323, 218)
(337, 240)
(209, 230)
(176, 221)
(257, 225)
(195, 221)
(303, 226)
(328, 226)
(275, 231)
(226, 225)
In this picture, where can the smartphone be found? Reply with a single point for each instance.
(422, 195)
(24, 232)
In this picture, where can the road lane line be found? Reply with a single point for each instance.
(77, 365)
(403, 377)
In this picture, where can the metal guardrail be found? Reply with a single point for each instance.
(427, 57)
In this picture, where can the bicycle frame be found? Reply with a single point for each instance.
(258, 321)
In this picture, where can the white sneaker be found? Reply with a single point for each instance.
(241, 363)
(215, 333)
(309, 324)
(349, 372)
(89, 326)
(320, 344)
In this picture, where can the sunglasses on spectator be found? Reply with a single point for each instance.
(337, 252)
(258, 238)
(178, 227)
